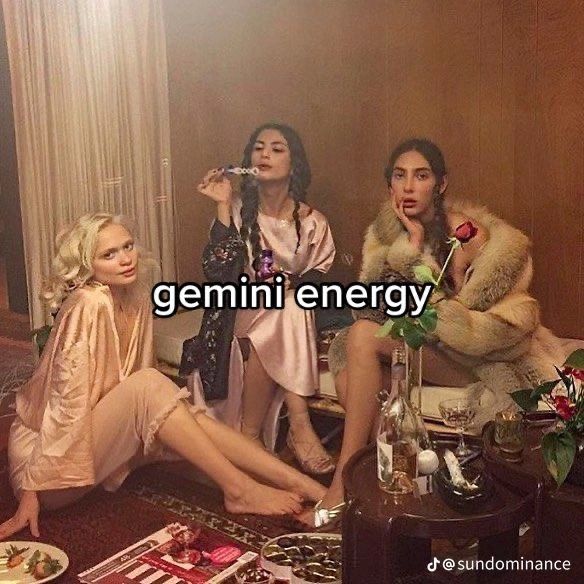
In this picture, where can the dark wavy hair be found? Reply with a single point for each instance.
(439, 230)
(300, 177)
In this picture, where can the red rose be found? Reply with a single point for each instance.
(465, 232)
(563, 407)
(577, 373)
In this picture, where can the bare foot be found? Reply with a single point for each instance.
(263, 500)
(307, 517)
(331, 502)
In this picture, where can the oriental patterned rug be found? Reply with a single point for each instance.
(102, 523)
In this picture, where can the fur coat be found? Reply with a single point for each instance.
(492, 326)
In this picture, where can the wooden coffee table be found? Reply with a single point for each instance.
(387, 539)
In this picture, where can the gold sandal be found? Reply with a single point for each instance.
(317, 464)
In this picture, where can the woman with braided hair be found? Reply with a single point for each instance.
(488, 338)
(269, 213)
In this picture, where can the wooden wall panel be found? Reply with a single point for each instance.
(558, 228)
(232, 69)
(413, 75)
(458, 95)
(491, 165)
(518, 185)
(497, 83)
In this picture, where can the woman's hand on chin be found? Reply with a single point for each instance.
(414, 227)
(216, 186)
(26, 514)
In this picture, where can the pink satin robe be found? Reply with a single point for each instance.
(285, 340)
(51, 444)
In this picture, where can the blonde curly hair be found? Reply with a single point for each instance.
(72, 267)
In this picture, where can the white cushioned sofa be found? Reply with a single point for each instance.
(169, 334)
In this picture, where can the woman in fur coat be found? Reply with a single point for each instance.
(488, 336)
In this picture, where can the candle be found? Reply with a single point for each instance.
(510, 434)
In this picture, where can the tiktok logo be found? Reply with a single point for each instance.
(433, 565)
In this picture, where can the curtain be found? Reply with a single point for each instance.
(90, 98)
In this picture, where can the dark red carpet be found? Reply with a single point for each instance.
(103, 523)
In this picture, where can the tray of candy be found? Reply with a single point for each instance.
(304, 558)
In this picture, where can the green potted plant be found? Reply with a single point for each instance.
(563, 446)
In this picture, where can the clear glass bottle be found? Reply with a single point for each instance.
(397, 437)
(266, 265)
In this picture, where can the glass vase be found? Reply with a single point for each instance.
(397, 436)
(413, 360)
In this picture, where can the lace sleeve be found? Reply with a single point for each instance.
(224, 258)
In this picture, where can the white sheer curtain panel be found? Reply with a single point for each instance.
(90, 92)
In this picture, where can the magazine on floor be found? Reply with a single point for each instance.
(173, 554)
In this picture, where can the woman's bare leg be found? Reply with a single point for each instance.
(184, 434)
(438, 369)
(258, 392)
(341, 387)
(258, 462)
(359, 382)
(122, 422)
(364, 377)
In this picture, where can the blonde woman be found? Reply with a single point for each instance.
(94, 407)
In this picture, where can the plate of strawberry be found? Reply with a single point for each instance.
(25, 562)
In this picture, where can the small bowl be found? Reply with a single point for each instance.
(461, 499)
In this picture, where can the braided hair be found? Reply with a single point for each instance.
(438, 231)
(300, 176)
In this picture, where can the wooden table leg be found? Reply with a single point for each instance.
(408, 556)
(391, 557)
(503, 546)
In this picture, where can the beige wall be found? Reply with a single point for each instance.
(497, 83)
